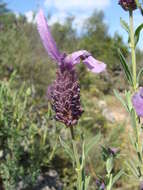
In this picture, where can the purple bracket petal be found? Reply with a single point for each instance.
(92, 64)
(76, 57)
(47, 39)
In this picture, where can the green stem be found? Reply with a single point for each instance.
(134, 70)
(133, 55)
(77, 161)
(72, 133)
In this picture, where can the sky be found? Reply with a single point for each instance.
(81, 9)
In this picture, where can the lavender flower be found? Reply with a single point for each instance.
(128, 4)
(113, 151)
(137, 101)
(141, 185)
(64, 93)
(100, 185)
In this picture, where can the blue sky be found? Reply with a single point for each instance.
(59, 9)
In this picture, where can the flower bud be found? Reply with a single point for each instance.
(128, 4)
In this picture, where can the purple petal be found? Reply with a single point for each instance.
(113, 150)
(141, 185)
(92, 64)
(137, 101)
(102, 186)
(46, 37)
(76, 57)
(97, 182)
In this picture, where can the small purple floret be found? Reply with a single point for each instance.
(97, 182)
(141, 185)
(137, 101)
(128, 4)
(102, 187)
(100, 184)
(113, 151)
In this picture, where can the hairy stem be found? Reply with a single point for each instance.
(77, 161)
(133, 55)
(72, 133)
(135, 85)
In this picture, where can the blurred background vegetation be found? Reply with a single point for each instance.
(29, 143)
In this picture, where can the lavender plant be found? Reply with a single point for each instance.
(64, 95)
(109, 156)
(24, 143)
(133, 101)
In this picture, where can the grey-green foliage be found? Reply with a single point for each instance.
(26, 140)
(24, 143)
(97, 39)
(65, 35)
(21, 50)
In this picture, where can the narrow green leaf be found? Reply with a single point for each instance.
(83, 155)
(76, 155)
(128, 100)
(121, 100)
(132, 140)
(13, 76)
(117, 176)
(125, 67)
(87, 180)
(91, 143)
(133, 121)
(67, 149)
(82, 187)
(139, 75)
(133, 168)
(109, 165)
(137, 33)
(125, 25)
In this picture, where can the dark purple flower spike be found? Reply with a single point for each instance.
(128, 4)
(137, 101)
(64, 93)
